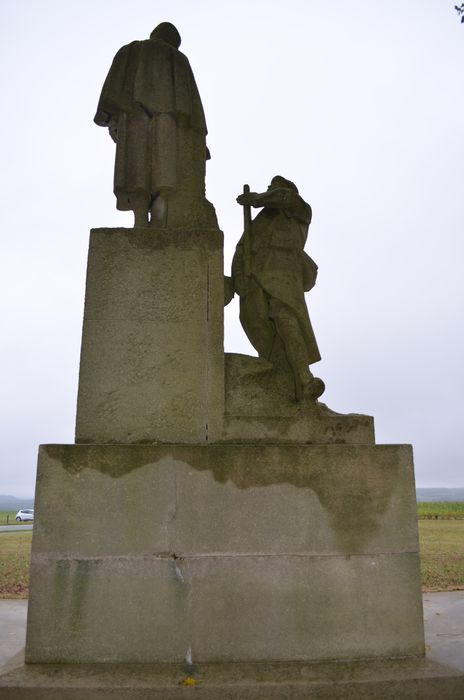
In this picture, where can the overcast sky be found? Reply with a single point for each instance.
(360, 103)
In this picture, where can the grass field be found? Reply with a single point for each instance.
(15, 553)
(441, 543)
(440, 511)
(442, 554)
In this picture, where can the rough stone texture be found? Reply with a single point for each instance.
(224, 553)
(152, 345)
(260, 408)
(405, 679)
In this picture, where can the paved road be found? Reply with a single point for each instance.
(444, 627)
(12, 631)
(14, 528)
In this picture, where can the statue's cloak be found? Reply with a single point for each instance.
(281, 267)
(156, 76)
(151, 101)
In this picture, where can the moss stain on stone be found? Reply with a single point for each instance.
(355, 507)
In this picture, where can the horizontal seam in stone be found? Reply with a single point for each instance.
(211, 555)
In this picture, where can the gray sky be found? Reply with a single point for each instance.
(360, 103)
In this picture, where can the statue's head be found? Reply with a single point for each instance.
(278, 181)
(168, 33)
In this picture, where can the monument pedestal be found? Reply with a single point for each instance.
(207, 527)
(152, 359)
(392, 679)
(246, 572)
(224, 553)
(259, 408)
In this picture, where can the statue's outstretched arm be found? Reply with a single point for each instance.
(281, 198)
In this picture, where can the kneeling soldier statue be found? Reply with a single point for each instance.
(271, 272)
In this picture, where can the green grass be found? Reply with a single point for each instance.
(15, 555)
(442, 554)
(440, 511)
(7, 517)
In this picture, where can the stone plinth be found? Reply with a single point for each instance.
(393, 679)
(260, 407)
(224, 553)
(152, 345)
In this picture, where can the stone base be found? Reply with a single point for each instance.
(260, 407)
(411, 679)
(152, 361)
(224, 553)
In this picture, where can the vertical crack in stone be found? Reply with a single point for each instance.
(207, 367)
(207, 292)
(179, 575)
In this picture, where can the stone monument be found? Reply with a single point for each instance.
(151, 106)
(225, 530)
(271, 272)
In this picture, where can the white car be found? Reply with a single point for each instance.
(26, 514)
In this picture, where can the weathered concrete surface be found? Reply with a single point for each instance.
(406, 679)
(260, 408)
(443, 622)
(224, 608)
(444, 633)
(152, 345)
(224, 553)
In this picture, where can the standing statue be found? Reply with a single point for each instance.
(151, 106)
(271, 272)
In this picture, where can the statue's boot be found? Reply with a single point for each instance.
(158, 211)
(139, 206)
(314, 388)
